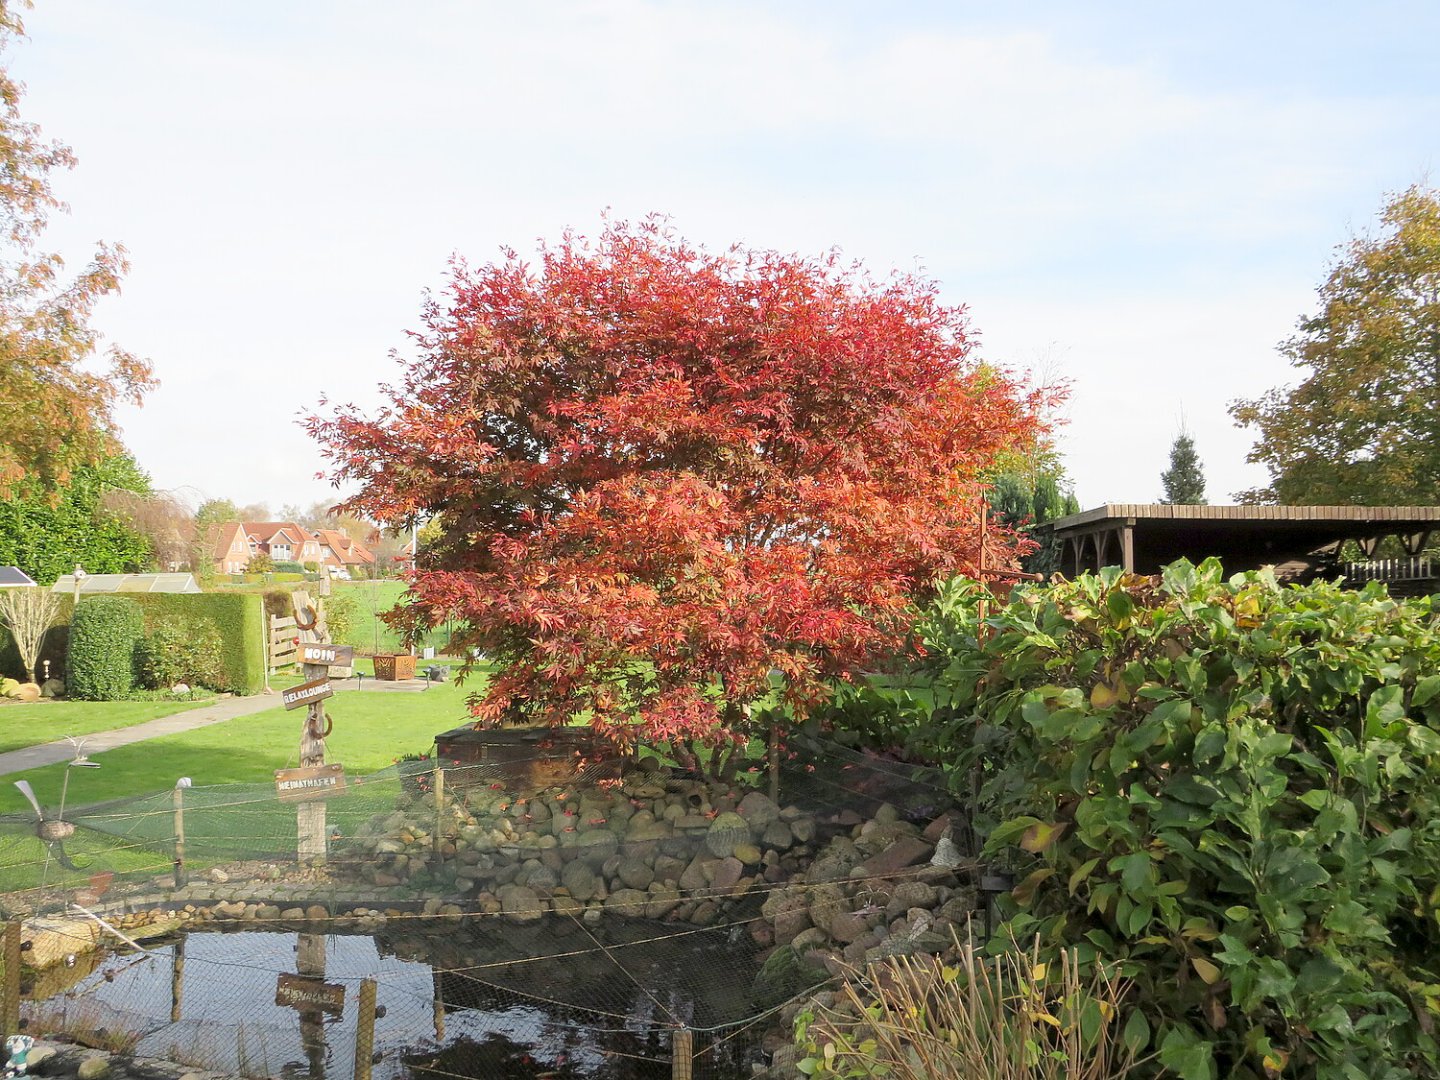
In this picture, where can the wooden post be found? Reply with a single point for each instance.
(775, 764)
(682, 1054)
(312, 839)
(310, 960)
(177, 978)
(179, 797)
(365, 1030)
(10, 993)
(438, 837)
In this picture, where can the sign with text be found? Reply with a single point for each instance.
(306, 693)
(313, 652)
(309, 995)
(311, 782)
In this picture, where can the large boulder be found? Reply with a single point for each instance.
(726, 832)
(520, 904)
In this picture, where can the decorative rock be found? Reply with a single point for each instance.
(292, 914)
(757, 809)
(217, 876)
(803, 829)
(694, 879)
(317, 913)
(579, 880)
(909, 895)
(777, 835)
(628, 902)
(566, 905)
(887, 814)
(904, 852)
(725, 832)
(946, 822)
(229, 909)
(663, 900)
(727, 874)
(267, 912)
(635, 873)
(94, 1068)
(847, 926)
(520, 904)
(50, 688)
(27, 692)
(704, 914)
(180, 688)
(748, 854)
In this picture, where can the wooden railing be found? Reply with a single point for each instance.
(1412, 569)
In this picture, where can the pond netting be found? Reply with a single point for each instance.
(607, 923)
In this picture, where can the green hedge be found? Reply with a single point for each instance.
(104, 633)
(239, 617)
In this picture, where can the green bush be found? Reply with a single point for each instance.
(176, 650)
(238, 618)
(104, 634)
(285, 566)
(341, 611)
(1230, 788)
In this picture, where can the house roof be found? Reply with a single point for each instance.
(113, 583)
(12, 577)
(347, 550)
(267, 532)
(219, 538)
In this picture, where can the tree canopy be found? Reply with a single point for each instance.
(1184, 480)
(672, 484)
(57, 405)
(1363, 426)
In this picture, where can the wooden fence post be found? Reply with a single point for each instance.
(439, 787)
(682, 1054)
(179, 798)
(365, 1030)
(10, 993)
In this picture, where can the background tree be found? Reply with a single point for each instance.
(46, 534)
(1363, 426)
(57, 406)
(673, 483)
(1184, 480)
(28, 614)
(260, 563)
(163, 520)
(1029, 487)
(215, 512)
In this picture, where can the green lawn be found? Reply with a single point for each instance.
(372, 728)
(47, 721)
(372, 598)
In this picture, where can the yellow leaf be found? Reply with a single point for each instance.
(1045, 1018)
(1040, 836)
(1205, 969)
(1275, 1062)
(1037, 973)
(1102, 696)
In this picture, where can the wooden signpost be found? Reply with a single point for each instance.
(311, 782)
(310, 652)
(312, 839)
(308, 993)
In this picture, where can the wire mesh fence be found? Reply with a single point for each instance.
(604, 926)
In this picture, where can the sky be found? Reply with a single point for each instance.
(1137, 199)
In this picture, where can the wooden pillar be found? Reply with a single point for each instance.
(310, 960)
(774, 755)
(312, 839)
(682, 1054)
(10, 991)
(365, 1030)
(1127, 545)
(438, 838)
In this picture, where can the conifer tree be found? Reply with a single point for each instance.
(1184, 480)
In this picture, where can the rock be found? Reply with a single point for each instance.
(292, 914)
(520, 904)
(791, 922)
(695, 879)
(704, 914)
(39, 1055)
(726, 874)
(635, 873)
(217, 876)
(267, 912)
(847, 926)
(748, 854)
(597, 846)
(27, 691)
(579, 881)
(50, 688)
(907, 851)
(663, 900)
(627, 902)
(887, 814)
(777, 835)
(229, 909)
(758, 810)
(180, 688)
(946, 822)
(909, 895)
(808, 939)
(94, 1068)
(826, 901)
(566, 905)
(317, 913)
(803, 829)
(725, 832)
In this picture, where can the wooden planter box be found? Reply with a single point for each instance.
(395, 668)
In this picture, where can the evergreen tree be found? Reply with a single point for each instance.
(1184, 480)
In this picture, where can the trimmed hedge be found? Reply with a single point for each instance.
(104, 633)
(240, 620)
(237, 616)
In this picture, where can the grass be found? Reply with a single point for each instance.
(47, 721)
(371, 729)
(372, 599)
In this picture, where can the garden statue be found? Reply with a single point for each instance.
(18, 1047)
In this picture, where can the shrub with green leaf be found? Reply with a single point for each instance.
(175, 650)
(1231, 788)
(104, 634)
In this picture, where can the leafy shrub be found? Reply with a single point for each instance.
(285, 566)
(260, 563)
(341, 610)
(237, 617)
(104, 633)
(176, 650)
(1230, 789)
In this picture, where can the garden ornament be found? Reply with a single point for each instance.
(18, 1047)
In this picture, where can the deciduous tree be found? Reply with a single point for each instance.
(1363, 426)
(57, 405)
(673, 485)
(28, 614)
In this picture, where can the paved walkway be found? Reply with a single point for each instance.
(35, 757)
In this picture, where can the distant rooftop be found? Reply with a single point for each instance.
(114, 583)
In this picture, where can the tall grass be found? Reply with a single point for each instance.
(1002, 1018)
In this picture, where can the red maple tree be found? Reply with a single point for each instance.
(670, 483)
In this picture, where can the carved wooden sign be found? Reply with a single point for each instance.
(314, 652)
(309, 995)
(305, 693)
(311, 782)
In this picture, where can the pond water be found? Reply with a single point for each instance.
(553, 999)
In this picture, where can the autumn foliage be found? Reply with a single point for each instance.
(672, 484)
